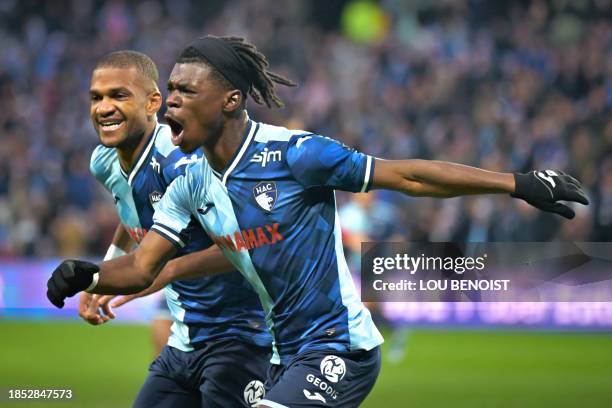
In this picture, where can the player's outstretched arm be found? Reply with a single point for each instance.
(124, 275)
(429, 178)
(207, 262)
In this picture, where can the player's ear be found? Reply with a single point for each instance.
(154, 102)
(233, 100)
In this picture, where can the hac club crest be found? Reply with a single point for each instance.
(265, 195)
(155, 197)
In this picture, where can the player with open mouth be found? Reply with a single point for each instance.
(288, 242)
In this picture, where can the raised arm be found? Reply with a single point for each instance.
(319, 161)
(429, 178)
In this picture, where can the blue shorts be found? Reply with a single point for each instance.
(323, 378)
(228, 373)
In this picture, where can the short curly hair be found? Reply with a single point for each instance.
(131, 59)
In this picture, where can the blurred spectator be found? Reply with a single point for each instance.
(502, 85)
(366, 218)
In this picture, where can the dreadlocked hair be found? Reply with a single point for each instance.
(263, 90)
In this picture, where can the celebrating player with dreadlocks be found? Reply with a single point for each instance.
(278, 223)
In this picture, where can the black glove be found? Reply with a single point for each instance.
(68, 279)
(543, 189)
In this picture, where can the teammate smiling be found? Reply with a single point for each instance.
(219, 347)
(283, 216)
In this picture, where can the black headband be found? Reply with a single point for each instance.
(224, 58)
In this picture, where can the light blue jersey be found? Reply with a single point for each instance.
(206, 309)
(278, 222)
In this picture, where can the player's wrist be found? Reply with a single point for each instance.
(507, 183)
(84, 277)
(511, 183)
(523, 185)
(94, 282)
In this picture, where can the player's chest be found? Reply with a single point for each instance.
(262, 198)
(136, 203)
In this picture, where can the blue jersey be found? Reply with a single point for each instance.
(281, 189)
(205, 309)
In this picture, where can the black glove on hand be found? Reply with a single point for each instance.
(543, 189)
(68, 279)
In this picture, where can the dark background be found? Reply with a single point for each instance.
(502, 85)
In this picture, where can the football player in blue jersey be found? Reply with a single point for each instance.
(128, 138)
(279, 211)
(219, 348)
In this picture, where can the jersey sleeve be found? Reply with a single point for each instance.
(176, 164)
(173, 215)
(98, 165)
(320, 161)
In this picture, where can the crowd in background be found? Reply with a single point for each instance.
(501, 85)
